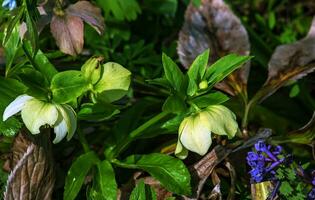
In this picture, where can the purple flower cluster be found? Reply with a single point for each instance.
(311, 194)
(264, 161)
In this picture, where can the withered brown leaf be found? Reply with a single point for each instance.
(32, 176)
(88, 13)
(289, 62)
(213, 25)
(68, 33)
(68, 29)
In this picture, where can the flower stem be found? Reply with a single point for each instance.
(83, 140)
(137, 132)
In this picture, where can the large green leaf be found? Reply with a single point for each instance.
(172, 73)
(106, 180)
(44, 65)
(223, 67)
(11, 47)
(97, 112)
(210, 99)
(142, 192)
(76, 174)
(174, 104)
(171, 172)
(68, 85)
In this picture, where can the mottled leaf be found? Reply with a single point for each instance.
(88, 13)
(289, 62)
(213, 25)
(68, 33)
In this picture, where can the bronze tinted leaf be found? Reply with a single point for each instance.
(89, 13)
(213, 25)
(289, 62)
(32, 177)
(68, 33)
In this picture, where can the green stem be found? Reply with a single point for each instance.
(137, 132)
(83, 140)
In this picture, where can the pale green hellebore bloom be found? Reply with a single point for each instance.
(195, 130)
(36, 113)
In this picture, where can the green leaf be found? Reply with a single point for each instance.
(44, 65)
(37, 84)
(295, 90)
(32, 31)
(174, 104)
(10, 127)
(285, 188)
(173, 123)
(165, 7)
(172, 73)
(198, 67)
(223, 67)
(121, 9)
(76, 174)
(196, 72)
(67, 86)
(97, 112)
(142, 192)
(210, 99)
(171, 172)
(9, 90)
(11, 47)
(106, 180)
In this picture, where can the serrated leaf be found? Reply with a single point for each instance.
(97, 112)
(67, 86)
(172, 73)
(106, 180)
(210, 99)
(142, 192)
(174, 104)
(171, 172)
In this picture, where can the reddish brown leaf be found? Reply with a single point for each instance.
(213, 25)
(89, 13)
(68, 33)
(289, 62)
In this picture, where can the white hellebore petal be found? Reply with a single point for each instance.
(15, 106)
(222, 120)
(66, 123)
(36, 113)
(194, 133)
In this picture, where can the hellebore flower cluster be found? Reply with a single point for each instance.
(264, 161)
(195, 130)
(36, 113)
(9, 4)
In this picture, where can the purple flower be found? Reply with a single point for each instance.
(261, 146)
(311, 195)
(264, 161)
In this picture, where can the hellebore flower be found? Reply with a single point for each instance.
(9, 4)
(195, 130)
(36, 113)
